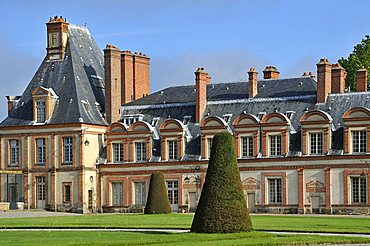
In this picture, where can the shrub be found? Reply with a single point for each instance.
(157, 202)
(222, 207)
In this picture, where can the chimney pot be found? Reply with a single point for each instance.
(271, 72)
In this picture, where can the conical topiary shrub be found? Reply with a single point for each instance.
(157, 202)
(222, 207)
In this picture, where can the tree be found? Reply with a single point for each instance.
(222, 207)
(157, 202)
(360, 57)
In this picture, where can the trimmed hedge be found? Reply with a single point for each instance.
(222, 207)
(157, 202)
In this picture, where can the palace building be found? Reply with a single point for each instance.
(86, 134)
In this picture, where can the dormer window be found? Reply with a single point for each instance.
(227, 117)
(43, 104)
(128, 120)
(40, 111)
(359, 141)
(316, 143)
(275, 145)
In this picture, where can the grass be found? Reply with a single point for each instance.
(133, 238)
(260, 222)
(183, 221)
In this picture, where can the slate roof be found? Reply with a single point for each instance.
(274, 95)
(76, 80)
(282, 95)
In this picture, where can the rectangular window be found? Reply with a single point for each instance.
(117, 194)
(209, 147)
(359, 193)
(275, 190)
(14, 152)
(172, 150)
(359, 141)
(40, 151)
(68, 150)
(66, 192)
(173, 192)
(247, 146)
(41, 191)
(40, 112)
(140, 194)
(275, 145)
(117, 152)
(316, 143)
(140, 150)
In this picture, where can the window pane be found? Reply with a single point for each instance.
(68, 149)
(40, 150)
(40, 112)
(14, 152)
(359, 190)
(359, 140)
(140, 198)
(172, 149)
(140, 149)
(275, 190)
(117, 152)
(275, 145)
(247, 146)
(67, 193)
(117, 194)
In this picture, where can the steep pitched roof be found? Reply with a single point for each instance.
(76, 80)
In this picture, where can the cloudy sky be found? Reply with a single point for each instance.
(227, 37)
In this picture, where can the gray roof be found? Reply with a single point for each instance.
(77, 81)
(275, 95)
(281, 95)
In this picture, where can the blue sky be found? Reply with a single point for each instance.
(225, 37)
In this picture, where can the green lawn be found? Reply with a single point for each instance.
(132, 238)
(260, 222)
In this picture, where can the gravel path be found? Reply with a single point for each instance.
(32, 213)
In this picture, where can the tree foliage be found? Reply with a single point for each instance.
(222, 207)
(157, 202)
(360, 57)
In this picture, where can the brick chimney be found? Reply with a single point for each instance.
(127, 78)
(252, 82)
(338, 78)
(12, 100)
(361, 79)
(112, 68)
(57, 36)
(201, 80)
(270, 72)
(323, 80)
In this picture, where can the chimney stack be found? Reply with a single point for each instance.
(270, 72)
(323, 80)
(361, 79)
(12, 100)
(57, 35)
(126, 79)
(338, 77)
(252, 83)
(201, 80)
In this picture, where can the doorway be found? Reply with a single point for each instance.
(251, 202)
(192, 201)
(40, 192)
(315, 204)
(173, 194)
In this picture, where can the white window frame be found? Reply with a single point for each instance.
(67, 150)
(117, 195)
(274, 190)
(362, 146)
(14, 152)
(249, 146)
(40, 151)
(172, 149)
(40, 111)
(139, 198)
(314, 144)
(358, 191)
(117, 152)
(209, 142)
(274, 150)
(140, 156)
